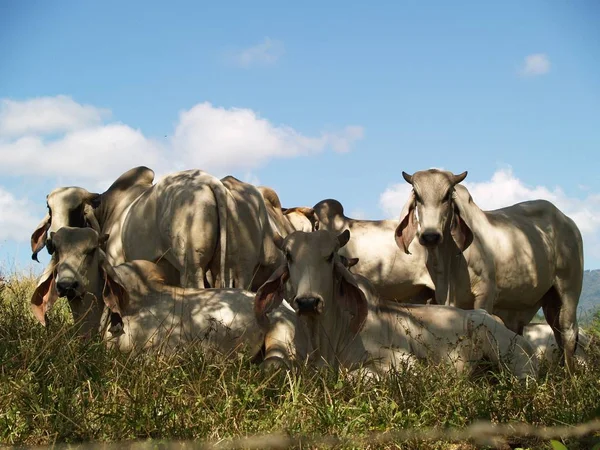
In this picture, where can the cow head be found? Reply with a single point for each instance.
(319, 283)
(431, 210)
(80, 272)
(67, 206)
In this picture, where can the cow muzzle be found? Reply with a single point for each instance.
(68, 287)
(430, 238)
(308, 305)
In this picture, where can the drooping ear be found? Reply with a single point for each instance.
(114, 294)
(270, 295)
(407, 228)
(348, 262)
(38, 238)
(458, 178)
(90, 217)
(343, 238)
(350, 297)
(407, 177)
(461, 232)
(45, 294)
(352, 262)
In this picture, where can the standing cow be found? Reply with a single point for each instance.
(510, 261)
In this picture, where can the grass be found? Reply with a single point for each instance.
(57, 389)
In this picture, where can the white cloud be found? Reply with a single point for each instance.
(46, 115)
(265, 53)
(504, 189)
(215, 139)
(237, 138)
(393, 199)
(535, 64)
(15, 217)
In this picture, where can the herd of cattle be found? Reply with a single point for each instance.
(220, 261)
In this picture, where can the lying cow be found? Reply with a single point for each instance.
(179, 222)
(350, 326)
(394, 274)
(132, 309)
(509, 261)
(541, 337)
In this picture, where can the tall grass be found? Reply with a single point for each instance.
(56, 388)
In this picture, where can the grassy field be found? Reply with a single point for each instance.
(56, 389)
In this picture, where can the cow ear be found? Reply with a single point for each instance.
(351, 298)
(38, 238)
(461, 232)
(114, 294)
(352, 262)
(270, 295)
(407, 228)
(45, 294)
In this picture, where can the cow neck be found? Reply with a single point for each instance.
(330, 335)
(446, 266)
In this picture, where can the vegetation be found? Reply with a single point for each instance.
(590, 294)
(56, 388)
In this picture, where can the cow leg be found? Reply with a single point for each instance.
(485, 300)
(191, 278)
(278, 343)
(567, 321)
(552, 312)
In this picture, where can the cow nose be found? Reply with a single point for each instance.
(66, 285)
(307, 305)
(431, 238)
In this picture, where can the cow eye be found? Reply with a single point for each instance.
(330, 257)
(418, 198)
(288, 256)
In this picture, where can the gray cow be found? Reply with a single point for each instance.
(510, 261)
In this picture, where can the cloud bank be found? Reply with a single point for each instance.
(56, 136)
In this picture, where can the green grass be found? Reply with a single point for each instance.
(55, 388)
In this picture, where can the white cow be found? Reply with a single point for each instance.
(510, 261)
(132, 308)
(350, 326)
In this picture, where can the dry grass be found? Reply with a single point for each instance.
(57, 389)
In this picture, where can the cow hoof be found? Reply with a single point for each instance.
(274, 363)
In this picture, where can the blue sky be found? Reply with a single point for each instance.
(314, 99)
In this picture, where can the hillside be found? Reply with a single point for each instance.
(590, 295)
